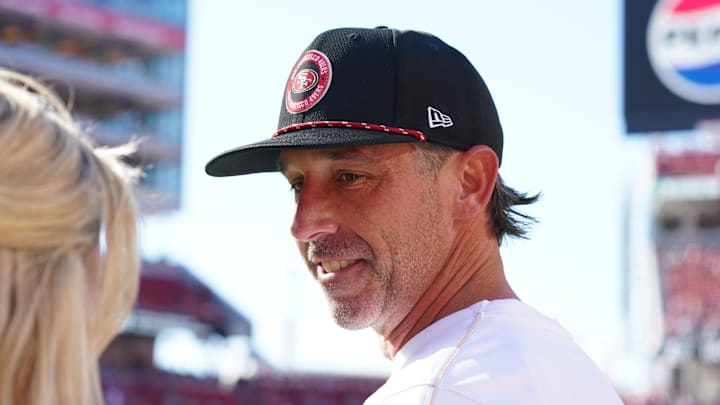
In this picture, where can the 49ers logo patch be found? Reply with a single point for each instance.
(305, 80)
(309, 82)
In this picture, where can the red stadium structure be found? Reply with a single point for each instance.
(171, 297)
(687, 240)
(121, 64)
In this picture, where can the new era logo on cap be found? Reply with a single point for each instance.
(437, 119)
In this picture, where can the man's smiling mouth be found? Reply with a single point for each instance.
(335, 265)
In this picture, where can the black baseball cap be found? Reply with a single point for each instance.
(359, 86)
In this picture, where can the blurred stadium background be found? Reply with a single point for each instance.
(122, 63)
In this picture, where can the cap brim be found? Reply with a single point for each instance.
(263, 156)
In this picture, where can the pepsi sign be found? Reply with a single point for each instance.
(684, 48)
(672, 64)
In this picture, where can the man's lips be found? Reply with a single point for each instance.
(342, 265)
(341, 274)
(331, 266)
(333, 258)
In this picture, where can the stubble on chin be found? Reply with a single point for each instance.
(354, 312)
(350, 315)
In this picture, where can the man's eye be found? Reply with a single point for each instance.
(350, 177)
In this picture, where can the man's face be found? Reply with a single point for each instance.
(373, 228)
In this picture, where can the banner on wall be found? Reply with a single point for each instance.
(672, 64)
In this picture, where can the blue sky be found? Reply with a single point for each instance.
(554, 68)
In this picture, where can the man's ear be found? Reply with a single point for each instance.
(478, 170)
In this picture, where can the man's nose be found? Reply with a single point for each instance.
(315, 215)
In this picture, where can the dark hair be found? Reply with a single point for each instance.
(506, 220)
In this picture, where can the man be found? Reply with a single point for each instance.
(392, 144)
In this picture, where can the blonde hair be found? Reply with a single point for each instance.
(61, 199)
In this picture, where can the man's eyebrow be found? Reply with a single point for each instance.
(334, 155)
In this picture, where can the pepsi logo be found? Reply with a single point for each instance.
(683, 41)
(309, 82)
(304, 80)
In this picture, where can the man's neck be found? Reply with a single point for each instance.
(469, 276)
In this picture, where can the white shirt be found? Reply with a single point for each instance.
(499, 352)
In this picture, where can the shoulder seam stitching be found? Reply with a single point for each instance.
(451, 358)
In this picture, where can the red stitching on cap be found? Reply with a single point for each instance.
(347, 124)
